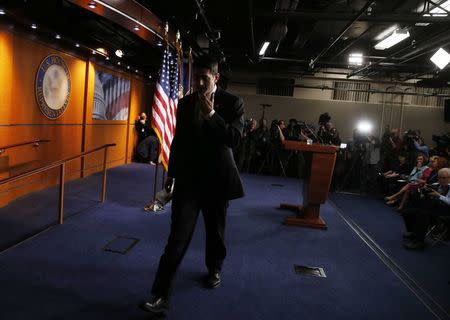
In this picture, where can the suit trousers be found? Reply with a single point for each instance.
(185, 211)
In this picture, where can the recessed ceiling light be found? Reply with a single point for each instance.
(119, 53)
(58, 36)
(159, 44)
(107, 58)
(136, 28)
(149, 76)
(77, 45)
(441, 58)
(422, 24)
(128, 67)
(118, 63)
(137, 71)
(396, 37)
(94, 52)
(92, 5)
(33, 26)
(2, 12)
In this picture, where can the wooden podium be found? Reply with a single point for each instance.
(317, 183)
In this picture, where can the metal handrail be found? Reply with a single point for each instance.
(62, 165)
(34, 143)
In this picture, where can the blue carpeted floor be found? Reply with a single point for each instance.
(64, 273)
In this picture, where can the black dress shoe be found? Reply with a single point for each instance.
(409, 235)
(213, 280)
(155, 305)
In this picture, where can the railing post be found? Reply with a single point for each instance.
(103, 195)
(61, 194)
(155, 181)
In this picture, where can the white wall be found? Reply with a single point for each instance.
(308, 104)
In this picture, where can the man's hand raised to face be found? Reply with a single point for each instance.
(206, 104)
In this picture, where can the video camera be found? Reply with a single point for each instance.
(442, 141)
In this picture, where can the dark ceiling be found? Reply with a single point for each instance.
(304, 35)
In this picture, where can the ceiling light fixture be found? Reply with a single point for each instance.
(58, 36)
(93, 52)
(355, 59)
(102, 51)
(136, 28)
(2, 12)
(119, 53)
(77, 45)
(264, 48)
(106, 5)
(118, 63)
(33, 26)
(92, 5)
(386, 32)
(441, 58)
(396, 37)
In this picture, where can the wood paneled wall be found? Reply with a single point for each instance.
(72, 133)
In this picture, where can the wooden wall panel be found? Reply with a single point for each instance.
(25, 158)
(21, 119)
(98, 135)
(20, 102)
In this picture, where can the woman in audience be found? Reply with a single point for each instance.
(416, 173)
(430, 176)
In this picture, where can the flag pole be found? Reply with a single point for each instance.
(155, 182)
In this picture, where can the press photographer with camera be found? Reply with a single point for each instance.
(435, 202)
(147, 144)
(327, 134)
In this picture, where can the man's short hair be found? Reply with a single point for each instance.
(207, 62)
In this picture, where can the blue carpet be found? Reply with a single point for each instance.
(64, 273)
(430, 268)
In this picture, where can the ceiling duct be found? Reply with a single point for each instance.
(278, 31)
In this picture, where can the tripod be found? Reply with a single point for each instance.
(272, 155)
(357, 159)
(264, 106)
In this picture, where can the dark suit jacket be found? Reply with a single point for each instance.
(201, 158)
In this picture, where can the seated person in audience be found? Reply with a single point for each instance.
(415, 174)
(434, 203)
(430, 176)
(389, 178)
(402, 168)
(148, 144)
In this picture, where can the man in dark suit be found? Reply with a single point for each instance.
(209, 125)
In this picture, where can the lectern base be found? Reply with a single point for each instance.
(307, 216)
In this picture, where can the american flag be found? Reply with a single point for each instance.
(165, 102)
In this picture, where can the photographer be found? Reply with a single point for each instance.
(147, 144)
(442, 145)
(433, 203)
(327, 134)
(247, 148)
